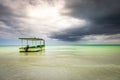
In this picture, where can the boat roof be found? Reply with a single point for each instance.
(31, 38)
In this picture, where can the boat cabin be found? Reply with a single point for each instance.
(32, 44)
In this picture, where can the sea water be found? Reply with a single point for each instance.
(71, 62)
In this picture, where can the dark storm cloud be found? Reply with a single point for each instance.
(92, 9)
(103, 15)
(75, 34)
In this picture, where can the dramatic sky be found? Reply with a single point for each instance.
(60, 21)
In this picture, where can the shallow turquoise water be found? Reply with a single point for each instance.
(61, 63)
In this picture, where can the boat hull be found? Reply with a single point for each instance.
(30, 49)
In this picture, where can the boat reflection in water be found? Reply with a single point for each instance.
(40, 53)
(31, 59)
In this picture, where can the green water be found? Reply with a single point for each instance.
(61, 63)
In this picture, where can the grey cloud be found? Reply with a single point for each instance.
(10, 16)
(113, 37)
(104, 16)
(4, 10)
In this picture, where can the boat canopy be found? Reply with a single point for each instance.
(33, 39)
